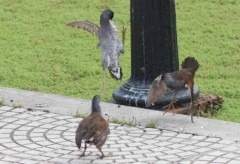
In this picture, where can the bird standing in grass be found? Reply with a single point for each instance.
(176, 81)
(108, 41)
(93, 129)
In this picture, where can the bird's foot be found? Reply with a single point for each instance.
(169, 107)
(82, 155)
(102, 156)
(191, 112)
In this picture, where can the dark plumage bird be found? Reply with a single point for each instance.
(176, 81)
(93, 129)
(108, 41)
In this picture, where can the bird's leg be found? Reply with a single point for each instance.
(85, 148)
(171, 104)
(102, 154)
(104, 82)
(192, 109)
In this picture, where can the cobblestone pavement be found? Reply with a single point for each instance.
(40, 137)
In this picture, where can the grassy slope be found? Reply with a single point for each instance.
(39, 53)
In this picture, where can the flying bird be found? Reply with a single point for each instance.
(175, 81)
(109, 42)
(93, 129)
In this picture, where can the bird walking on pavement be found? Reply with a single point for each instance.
(175, 81)
(93, 129)
(111, 46)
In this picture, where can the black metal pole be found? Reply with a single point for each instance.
(153, 50)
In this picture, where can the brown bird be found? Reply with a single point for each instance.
(93, 129)
(176, 81)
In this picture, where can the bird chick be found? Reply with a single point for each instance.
(93, 129)
(175, 81)
(108, 41)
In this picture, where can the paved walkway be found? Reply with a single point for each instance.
(35, 136)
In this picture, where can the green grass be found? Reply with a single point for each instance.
(152, 124)
(38, 52)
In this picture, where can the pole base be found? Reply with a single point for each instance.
(135, 95)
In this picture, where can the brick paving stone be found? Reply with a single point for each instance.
(163, 138)
(203, 144)
(41, 158)
(9, 114)
(34, 152)
(47, 126)
(40, 137)
(231, 155)
(8, 120)
(36, 113)
(202, 150)
(207, 158)
(198, 137)
(23, 116)
(210, 139)
(10, 145)
(19, 110)
(2, 148)
(5, 140)
(35, 118)
(36, 134)
(133, 156)
(47, 120)
(27, 161)
(5, 135)
(226, 141)
(176, 140)
(221, 160)
(60, 122)
(34, 123)
(151, 154)
(216, 146)
(55, 146)
(23, 155)
(62, 117)
(217, 153)
(188, 148)
(51, 115)
(22, 122)
(25, 128)
(230, 148)
(24, 142)
(147, 147)
(233, 162)
(182, 135)
(32, 146)
(3, 124)
(11, 159)
(163, 148)
(176, 146)
(20, 149)
(6, 108)
(125, 160)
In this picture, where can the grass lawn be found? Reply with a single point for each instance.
(38, 52)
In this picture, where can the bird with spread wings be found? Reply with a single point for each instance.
(175, 81)
(109, 42)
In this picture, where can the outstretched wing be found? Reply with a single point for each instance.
(85, 25)
(156, 91)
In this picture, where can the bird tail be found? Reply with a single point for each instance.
(190, 63)
(116, 74)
